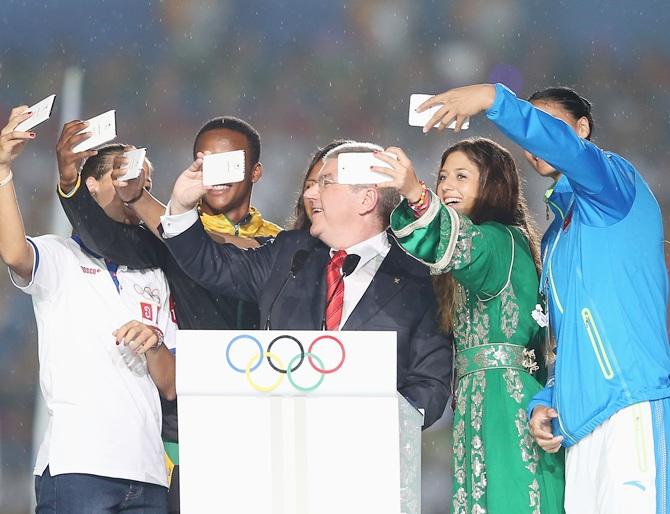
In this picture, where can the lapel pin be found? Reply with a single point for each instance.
(396, 280)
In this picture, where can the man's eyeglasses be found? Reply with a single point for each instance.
(325, 180)
(322, 181)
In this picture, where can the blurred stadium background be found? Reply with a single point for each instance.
(305, 72)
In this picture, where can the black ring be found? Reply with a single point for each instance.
(302, 353)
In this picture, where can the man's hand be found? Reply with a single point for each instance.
(139, 337)
(70, 162)
(11, 142)
(458, 104)
(188, 189)
(540, 428)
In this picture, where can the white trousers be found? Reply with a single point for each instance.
(621, 466)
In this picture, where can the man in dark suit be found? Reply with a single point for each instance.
(387, 290)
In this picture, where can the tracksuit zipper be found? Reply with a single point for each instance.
(597, 344)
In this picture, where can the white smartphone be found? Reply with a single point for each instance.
(223, 168)
(103, 128)
(41, 112)
(419, 119)
(135, 163)
(354, 168)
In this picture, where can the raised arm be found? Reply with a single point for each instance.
(131, 245)
(479, 256)
(15, 250)
(149, 209)
(224, 269)
(597, 177)
(601, 180)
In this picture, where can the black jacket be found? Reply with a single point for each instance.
(400, 298)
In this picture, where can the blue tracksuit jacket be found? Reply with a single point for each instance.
(604, 274)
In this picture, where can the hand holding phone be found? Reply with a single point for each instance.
(41, 112)
(419, 119)
(102, 128)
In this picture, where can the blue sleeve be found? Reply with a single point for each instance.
(543, 397)
(604, 183)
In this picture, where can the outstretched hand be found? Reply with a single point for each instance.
(458, 104)
(12, 142)
(188, 189)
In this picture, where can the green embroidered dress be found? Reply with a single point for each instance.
(498, 468)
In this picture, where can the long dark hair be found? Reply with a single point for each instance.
(569, 100)
(299, 220)
(499, 198)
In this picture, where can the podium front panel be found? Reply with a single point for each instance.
(336, 448)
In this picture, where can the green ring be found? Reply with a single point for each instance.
(289, 373)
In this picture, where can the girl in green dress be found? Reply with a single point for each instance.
(476, 235)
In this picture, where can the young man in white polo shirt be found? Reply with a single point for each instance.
(100, 373)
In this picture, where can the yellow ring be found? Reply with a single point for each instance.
(254, 385)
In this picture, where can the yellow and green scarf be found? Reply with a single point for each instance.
(253, 225)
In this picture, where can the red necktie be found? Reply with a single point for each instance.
(335, 290)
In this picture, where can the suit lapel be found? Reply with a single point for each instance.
(389, 280)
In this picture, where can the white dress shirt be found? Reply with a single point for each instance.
(372, 252)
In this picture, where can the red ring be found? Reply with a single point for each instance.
(326, 371)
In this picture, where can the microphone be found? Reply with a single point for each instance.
(348, 267)
(297, 262)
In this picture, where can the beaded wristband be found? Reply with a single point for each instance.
(419, 203)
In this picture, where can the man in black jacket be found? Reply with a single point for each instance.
(387, 290)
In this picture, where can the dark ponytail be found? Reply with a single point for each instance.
(577, 106)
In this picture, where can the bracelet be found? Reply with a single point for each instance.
(159, 335)
(7, 179)
(422, 198)
(72, 191)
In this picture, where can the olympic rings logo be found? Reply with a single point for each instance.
(277, 363)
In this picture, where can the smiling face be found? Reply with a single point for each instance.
(310, 181)
(458, 183)
(342, 215)
(230, 199)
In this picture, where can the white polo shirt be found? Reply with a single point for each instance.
(104, 409)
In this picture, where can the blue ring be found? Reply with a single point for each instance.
(260, 352)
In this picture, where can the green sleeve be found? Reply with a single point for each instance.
(478, 256)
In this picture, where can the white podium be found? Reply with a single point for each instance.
(330, 436)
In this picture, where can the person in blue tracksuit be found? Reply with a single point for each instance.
(605, 284)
